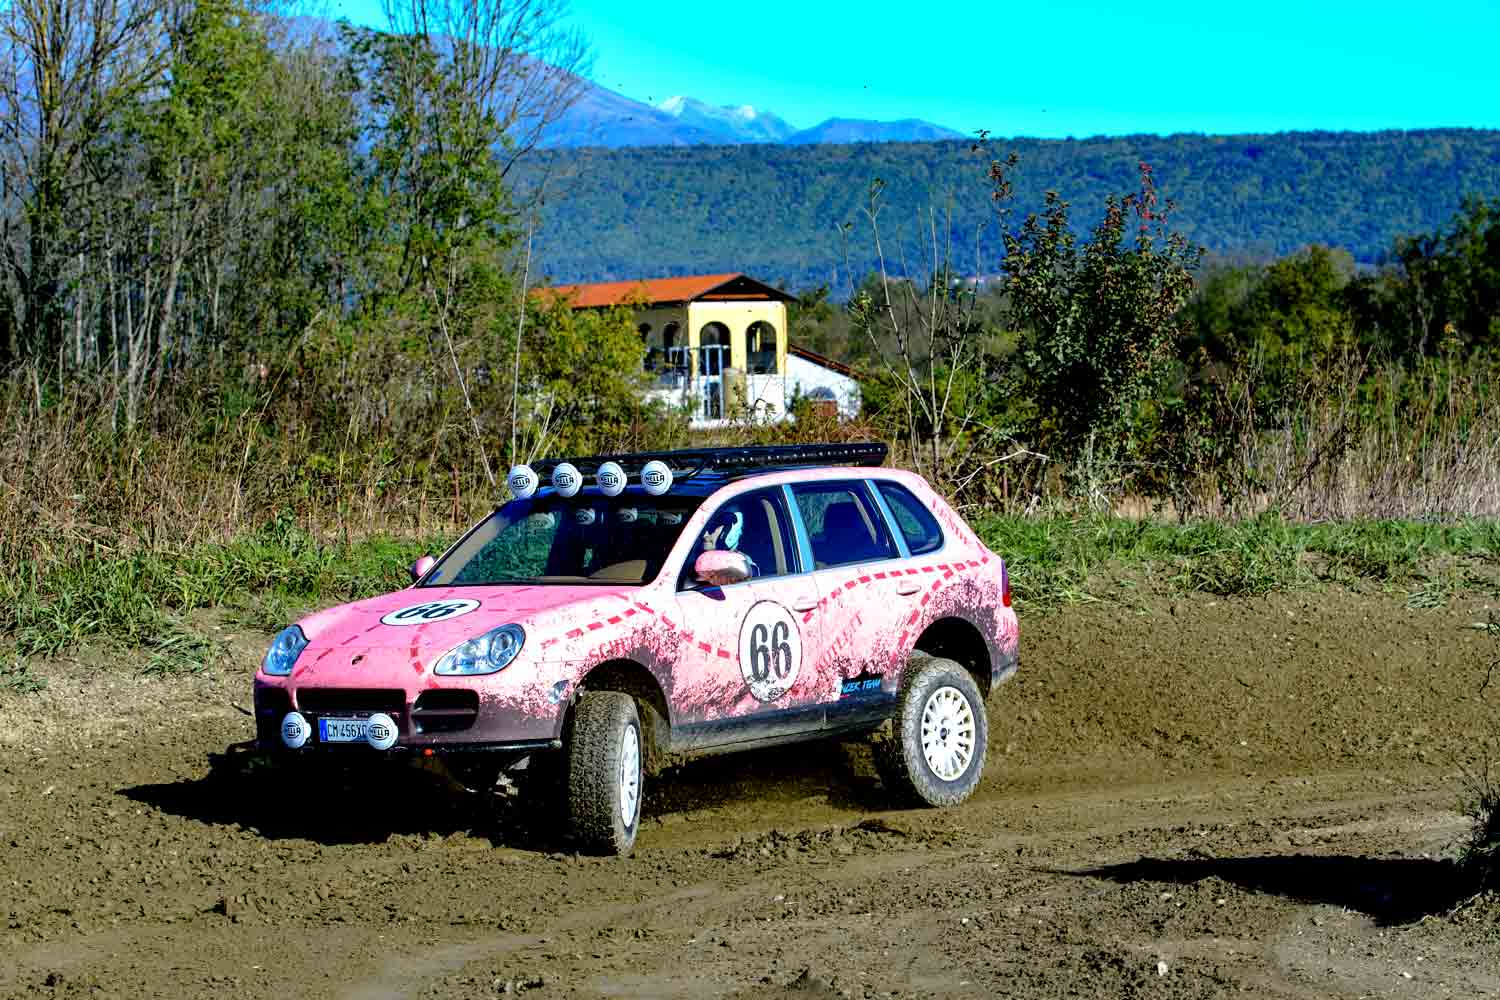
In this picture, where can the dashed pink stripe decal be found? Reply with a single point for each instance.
(948, 570)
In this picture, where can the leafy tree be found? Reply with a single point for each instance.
(582, 380)
(1099, 323)
(1448, 283)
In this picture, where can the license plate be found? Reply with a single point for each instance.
(343, 730)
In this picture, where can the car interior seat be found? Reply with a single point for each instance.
(846, 535)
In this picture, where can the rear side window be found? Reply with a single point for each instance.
(843, 524)
(913, 520)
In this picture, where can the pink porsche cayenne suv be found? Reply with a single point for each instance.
(620, 612)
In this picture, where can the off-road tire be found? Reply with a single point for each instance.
(899, 755)
(596, 744)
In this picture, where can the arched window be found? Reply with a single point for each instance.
(651, 339)
(713, 349)
(664, 358)
(760, 348)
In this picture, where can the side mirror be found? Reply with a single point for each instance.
(720, 567)
(421, 567)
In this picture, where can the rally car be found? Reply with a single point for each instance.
(643, 607)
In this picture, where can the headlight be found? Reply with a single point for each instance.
(483, 654)
(285, 648)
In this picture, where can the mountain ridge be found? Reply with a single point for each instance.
(605, 118)
(779, 212)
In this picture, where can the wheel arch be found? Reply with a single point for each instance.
(633, 678)
(959, 640)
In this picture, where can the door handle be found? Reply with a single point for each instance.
(908, 587)
(806, 604)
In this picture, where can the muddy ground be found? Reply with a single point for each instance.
(1185, 797)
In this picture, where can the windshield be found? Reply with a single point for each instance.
(577, 540)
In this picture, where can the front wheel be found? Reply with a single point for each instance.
(935, 753)
(604, 772)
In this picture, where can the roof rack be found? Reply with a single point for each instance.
(689, 462)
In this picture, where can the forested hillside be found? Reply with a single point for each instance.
(776, 212)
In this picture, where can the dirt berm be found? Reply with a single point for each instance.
(1185, 797)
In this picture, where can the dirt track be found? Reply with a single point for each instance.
(1184, 798)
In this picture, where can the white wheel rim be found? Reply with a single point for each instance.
(948, 732)
(630, 774)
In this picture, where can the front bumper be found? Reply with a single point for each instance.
(448, 719)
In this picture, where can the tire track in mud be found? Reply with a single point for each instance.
(401, 977)
(1166, 781)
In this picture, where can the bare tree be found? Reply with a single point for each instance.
(925, 342)
(67, 68)
(516, 60)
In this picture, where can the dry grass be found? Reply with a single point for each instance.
(215, 457)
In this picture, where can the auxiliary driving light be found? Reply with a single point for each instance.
(611, 479)
(380, 731)
(566, 480)
(295, 730)
(656, 477)
(522, 481)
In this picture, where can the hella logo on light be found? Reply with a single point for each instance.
(522, 481)
(611, 479)
(380, 731)
(295, 730)
(656, 477)
(566, 480)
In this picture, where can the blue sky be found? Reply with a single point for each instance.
(1059, 68)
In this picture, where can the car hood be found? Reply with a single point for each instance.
(360, 625)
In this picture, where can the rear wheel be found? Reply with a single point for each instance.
(935, 753)
(604, 772)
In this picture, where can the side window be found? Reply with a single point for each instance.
(913, 520)
(843, 524)
(753, 523)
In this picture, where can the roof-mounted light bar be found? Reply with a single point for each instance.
(657, 470)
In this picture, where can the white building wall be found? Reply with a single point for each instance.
(806, 378)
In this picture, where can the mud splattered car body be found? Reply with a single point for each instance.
(852, 571)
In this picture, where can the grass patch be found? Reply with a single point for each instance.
(138, 600)
(263, 579)
(179, 652)
(1053, 560)
(17, 677)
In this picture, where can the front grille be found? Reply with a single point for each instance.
(272, 701)
(326, 701)
(271, 704)
(445, 711)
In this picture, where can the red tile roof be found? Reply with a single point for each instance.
(666, 291)
(822, 361)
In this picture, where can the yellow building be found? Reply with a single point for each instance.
(717, 344)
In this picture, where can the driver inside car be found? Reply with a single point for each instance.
(725, 531)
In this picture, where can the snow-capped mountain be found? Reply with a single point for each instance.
(602, 117)
(735, 124)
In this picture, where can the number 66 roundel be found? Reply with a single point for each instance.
(770, 650)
